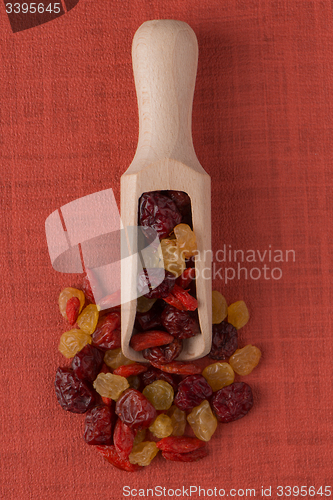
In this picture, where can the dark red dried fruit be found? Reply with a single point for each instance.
(191, 392)
(151, 338)
(164, 354)
(73, 394)
(154, 374)
(128, 370)
(180, 324)
(178, 367)
(134, 409)
(110, 454)
(181, 200)
(185, 457)
(98, 425)
(190, 303)
(158, 212)
(107, 334)
(72, 309)
(123, 438)
(150, 320)
(87, 363)
(185, 279)
(232, 402)
(224, 341)
(155, 283)
(180, 444)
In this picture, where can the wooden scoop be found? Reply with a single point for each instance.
(165, 56)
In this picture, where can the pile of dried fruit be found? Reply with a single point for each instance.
(133, 410)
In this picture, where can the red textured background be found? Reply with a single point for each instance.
(263, 130)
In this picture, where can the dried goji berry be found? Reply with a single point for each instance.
(72, 309)
(110, 301)
(128, 370)
(186, 457)
(178, 367)
(173, 301)
(110, 454)
(190, 303)
(180, 444)
(185, 279)
(152, 338)
(123, 439)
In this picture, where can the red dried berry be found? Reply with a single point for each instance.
(185, 279)
(73, 394)
(151, 338)
(123, 438)
(154, 374)
(173, 301)
(134, 409)
(72, 309)
(224, 341)
(190, 303)
(232, 402)
(191, 392)
(186, 457)
(110, 454)
(158, 212)
(128, 370)
(107, 334)
(180, 199)
(98, 425)
(180, 324)
(110, 301)
(155, 283)
(178, 367)
(180, 444)
(150, 320)
(87, 363)
(165, 353)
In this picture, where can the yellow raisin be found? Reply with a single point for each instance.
(202, 421)
(178, 420)
(160, 394)
(72, 342)
(65, 295)
(88, 319)
(143, 453)
(219, 375)
(174, 261)
(244, 360)
(186, 240)
(144, 305)
(115, 358)
(140, 436)
(162, 426)
(238, 314)
(110, 386)
(220, 307)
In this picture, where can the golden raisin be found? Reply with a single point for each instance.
(72, 342)
(88, 319)
(162, 426)
(140, 436)
(174, 261)
(244, 360)
(238, 314)
(219, 375)
(220, 307)
(160, 394)
(202, 421)
(178, 420)
(144, 305)
(186, 240)
(65, 295)
(115, 358)
(110, 386)
(143, 453)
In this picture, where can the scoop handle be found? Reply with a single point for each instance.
(165, 58)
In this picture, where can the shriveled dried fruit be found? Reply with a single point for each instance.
(174, 261)
(98, 425)
(202, 421)
(155, 283)
(153, 374)
(191, 391)
(151, 338)
(238, 314)
(244, 360)
(139, 437)
(123, 438)
(144, 305)
(160, 394)
(110, 454)
(72, 309)
(128, 370)
(219, 306)
(72, 342)
(181, 200)
(178, 368)
(158, 212)
(224, 341)
(180, 444)
(65, 295)
(219, 375)
(188, 302)
(150, 320)
(110, 386)
(185, 457)
(164, 354)
(73, 395)
(186, 240)
(162, 426)
(180, 324)
(87, 363)
(107, 334)
(232, 402)
(134, 409)
(178, 420)
(115, 358)
(185, 279)
(143, 453)
(88, 319)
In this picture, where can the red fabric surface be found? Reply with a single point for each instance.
(262, 128)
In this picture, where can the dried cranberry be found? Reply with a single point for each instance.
(191, 392)
(155, 374)
(181, 324)
(149, 320)
(134, 409)
(165, 353)
(73, 394)
(224, 341)
(87, 363)
(123, 438)
(98, 425)
(150, 283)
(232, 402)
(181, 200)
(107, 334)
(158, 212)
